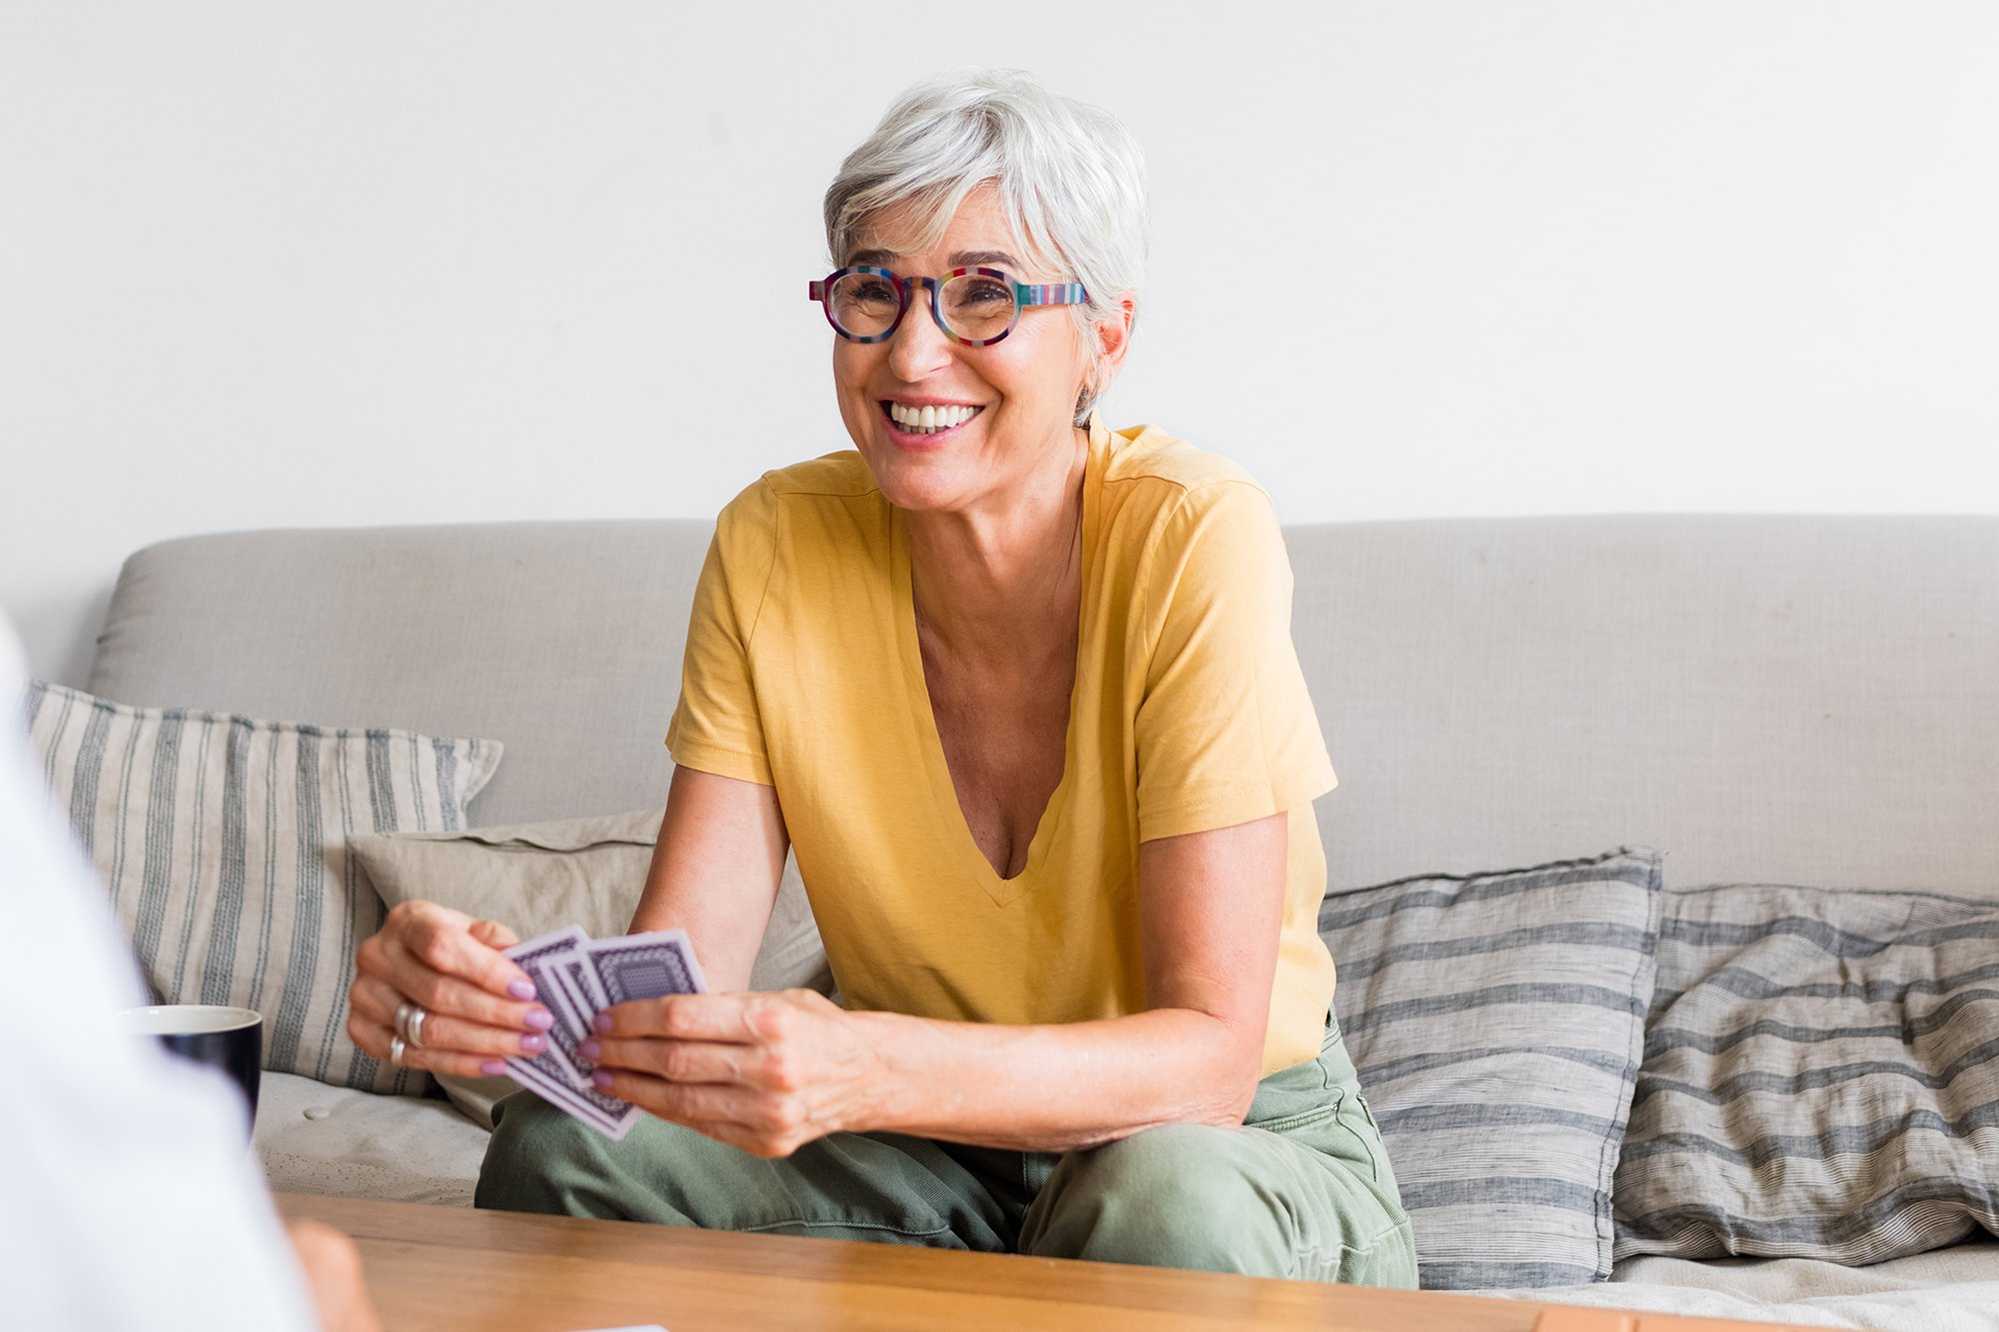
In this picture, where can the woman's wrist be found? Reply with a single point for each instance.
(891, 1093)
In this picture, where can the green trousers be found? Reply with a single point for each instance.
(1303, 1189)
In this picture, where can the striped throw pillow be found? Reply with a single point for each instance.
(1496, 1021)
(1821, 1077)
(223, 843)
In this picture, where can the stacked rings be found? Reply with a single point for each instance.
(397, 1045)
(410, 1018)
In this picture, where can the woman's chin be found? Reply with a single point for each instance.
(917, 483)
(920, 498)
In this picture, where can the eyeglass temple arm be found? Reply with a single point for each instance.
(1049, 293)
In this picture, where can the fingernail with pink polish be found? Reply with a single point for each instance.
(534, 1044)
(590, 1050)
(540, 1019)
(601, 1079)
(602, 1022)
(521, 989)
(493, 1068)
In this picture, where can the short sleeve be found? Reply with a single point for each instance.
(1225, 731)
(716, 726)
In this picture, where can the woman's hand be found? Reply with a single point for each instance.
(766, 1072)
(479, 1004)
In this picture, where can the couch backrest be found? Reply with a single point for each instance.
(1809, 699)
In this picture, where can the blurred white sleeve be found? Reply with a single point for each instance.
(132, 1198)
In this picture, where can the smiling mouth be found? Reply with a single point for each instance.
(927, 422)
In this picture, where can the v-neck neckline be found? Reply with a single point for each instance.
(944, 790)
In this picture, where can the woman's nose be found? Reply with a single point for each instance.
(918, 347)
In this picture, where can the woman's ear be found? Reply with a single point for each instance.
(1114, 334)
(1113, 340)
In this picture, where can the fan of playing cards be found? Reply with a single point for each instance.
(577, 977)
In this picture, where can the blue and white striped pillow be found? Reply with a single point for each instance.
(1496, 1021)
(223, 843)
(1821, 1076)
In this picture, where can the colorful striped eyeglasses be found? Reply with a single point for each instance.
(975, 306)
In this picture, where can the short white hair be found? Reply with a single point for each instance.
(1070, 177)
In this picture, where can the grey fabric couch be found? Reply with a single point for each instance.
(1808, 699)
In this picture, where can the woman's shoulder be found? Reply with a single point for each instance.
(1144, 457)
(1164, 492)
(1179, 518)
(838, 475)
(1190, 526)
(746, 530)
(841, 474)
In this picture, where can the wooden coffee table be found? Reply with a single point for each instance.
(453, 1267)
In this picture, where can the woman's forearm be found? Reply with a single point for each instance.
(1056, 1087)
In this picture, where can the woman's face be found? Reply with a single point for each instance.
(1024, 386)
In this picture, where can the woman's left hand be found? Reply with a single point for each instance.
(765, 1071)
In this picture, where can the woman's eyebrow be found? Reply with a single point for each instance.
(962, 259)
(967, 258)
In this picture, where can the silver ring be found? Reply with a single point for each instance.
(414, 1029)
(402, 1022)
(396, 1047)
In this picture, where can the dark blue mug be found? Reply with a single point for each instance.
(229, 1039)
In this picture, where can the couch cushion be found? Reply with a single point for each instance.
(313, 1138)
(224, 842)
(1797, 711)
(1805, 698)
(1821, 1076)
(1951, 1290)
(560, 639)
(1495, 1020)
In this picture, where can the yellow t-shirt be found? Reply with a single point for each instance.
(1189, 712)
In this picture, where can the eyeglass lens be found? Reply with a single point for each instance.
(974, 305)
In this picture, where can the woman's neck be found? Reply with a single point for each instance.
(996, 577)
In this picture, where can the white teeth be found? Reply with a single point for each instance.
(931, 418)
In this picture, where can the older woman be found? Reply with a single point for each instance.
(1020, 693)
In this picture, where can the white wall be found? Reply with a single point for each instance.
(283, 264)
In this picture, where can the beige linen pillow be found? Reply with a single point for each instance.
(588, 871)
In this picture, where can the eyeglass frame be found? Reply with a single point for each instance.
(1026, 295)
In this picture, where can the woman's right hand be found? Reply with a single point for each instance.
(480, 1005)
